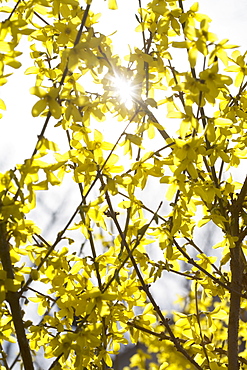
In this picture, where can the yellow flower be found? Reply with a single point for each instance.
(214, 82)
(67, 32)
(46, 99)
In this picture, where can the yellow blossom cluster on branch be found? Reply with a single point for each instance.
(180, 139)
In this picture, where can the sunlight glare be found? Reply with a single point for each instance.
(125, 91)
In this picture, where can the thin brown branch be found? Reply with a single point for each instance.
(200, 328)
(152, 118)
(43, 295)
(55, 362)
(137, 242)
(4, 358)
(237, 205)
(14, 9)
(161, 336)
(236, 266)
(126, 227)
(40, 323)
(188, 276)
(41, 135)
(192, 262)
(41, 18)
(13, 300)
(193, 244)
(224, 352)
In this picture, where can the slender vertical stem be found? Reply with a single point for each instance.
(233, 323)
(200, 328)
(13, 300)
(237, 266)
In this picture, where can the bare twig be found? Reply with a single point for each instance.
(200, 328)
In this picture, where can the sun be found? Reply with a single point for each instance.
(125, 90)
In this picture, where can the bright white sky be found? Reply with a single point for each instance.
(228, 19)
